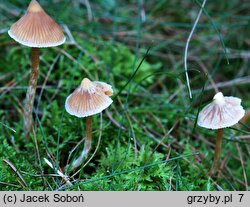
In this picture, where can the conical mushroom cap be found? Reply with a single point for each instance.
(89, 98)
(221, 113)
(37, 29)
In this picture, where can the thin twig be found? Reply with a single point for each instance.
(116, 123)
(235, 82)
(235, 54)
(205, 70)
(89, 10)
(46, 80)
(64, 177)
(70, 39)
(243, 165)
(71, 152)
(9, 10)
(10, 184)
(4, 30)
(69, 56)
(4, 90)
(142, 11)
(16, 171)
(246, 137)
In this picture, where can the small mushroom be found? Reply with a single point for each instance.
(88, 99)
(35, 29)
(222, 112)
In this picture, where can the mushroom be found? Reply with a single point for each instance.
(88, 99)
(222, 112)
(35, 29)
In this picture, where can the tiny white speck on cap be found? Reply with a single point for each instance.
(86, 84)
(34, 7)
(219, 98)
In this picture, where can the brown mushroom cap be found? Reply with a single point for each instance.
(221, 113)
(89, 98)
(37, 29)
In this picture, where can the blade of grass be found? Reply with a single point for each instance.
(187, 45)
(133, 75)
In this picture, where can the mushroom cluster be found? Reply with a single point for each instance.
(36, 29)
(222, 112)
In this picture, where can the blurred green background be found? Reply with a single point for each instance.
(147, 139)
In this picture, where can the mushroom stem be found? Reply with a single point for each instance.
(216, 164)
(30, 95)
(87, 144)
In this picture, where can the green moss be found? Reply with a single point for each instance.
(150, 121)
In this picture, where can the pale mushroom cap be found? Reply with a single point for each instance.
(221, 113)
(89, 98)
(37, 29)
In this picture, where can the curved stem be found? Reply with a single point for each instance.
(31, 92)
(87, 144)
(216, 164)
